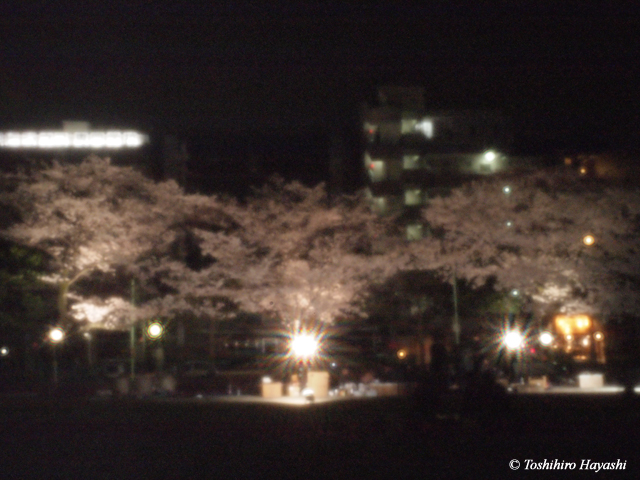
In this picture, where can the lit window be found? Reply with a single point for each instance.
(413, 197)
(410, 162)
(133, 139)
(29, 139)
(97, 139)
(414, 232)
(113, 139)
(12, 140)
(408, 125)
(425, 127)
(379, 205)
(377, 171)
(80, 140)
(370, 132)
(72, 139)
(488, 157)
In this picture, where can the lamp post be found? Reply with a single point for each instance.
(456, 320)
(513, 341)
(588, 240)
(155, 331)
(56, 335)
(132, 334)
(303, 347)
(88, 337)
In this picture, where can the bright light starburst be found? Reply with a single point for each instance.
(304, 346)
(513, 340)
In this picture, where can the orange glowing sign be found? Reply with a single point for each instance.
(569, 324)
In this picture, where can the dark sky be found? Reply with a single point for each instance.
(569, 78)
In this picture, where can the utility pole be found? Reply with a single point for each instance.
(456, 320)
(132, 333)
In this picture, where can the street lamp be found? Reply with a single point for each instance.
(489, 156)
(514, 343)
(546, 339)
(88, 337)
(304, 347)
(56, 335)
(588, 240)
(155, 330)
(513, 340)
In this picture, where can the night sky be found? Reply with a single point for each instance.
(568, 76)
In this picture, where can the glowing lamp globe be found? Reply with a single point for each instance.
(546, 338)
(588, 240)
(489, 156)
(304, 346)
(513, 340)
(155, 330)
(56, 335)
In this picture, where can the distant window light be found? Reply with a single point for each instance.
(410, 162)
(29, 139)
(371, 132)
(379, 205)
(408, 125)
(97, 140)
(413, 197)
(75, 126)
(425, 127)
(489, 157)
(377, 171)
(414, 232)
(112, 139)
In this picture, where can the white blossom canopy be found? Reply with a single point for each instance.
(530, 238)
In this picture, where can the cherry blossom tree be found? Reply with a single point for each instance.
(288, 254)
(91, 217)
(528, 233)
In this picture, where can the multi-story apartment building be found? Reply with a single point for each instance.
(412, 154)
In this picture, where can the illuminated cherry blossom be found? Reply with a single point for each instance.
(530, 238)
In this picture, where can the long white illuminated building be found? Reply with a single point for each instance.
(74, 135)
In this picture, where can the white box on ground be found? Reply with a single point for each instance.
(591, 380)
(319, 383)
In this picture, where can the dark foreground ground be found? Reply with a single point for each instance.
(355, 439)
